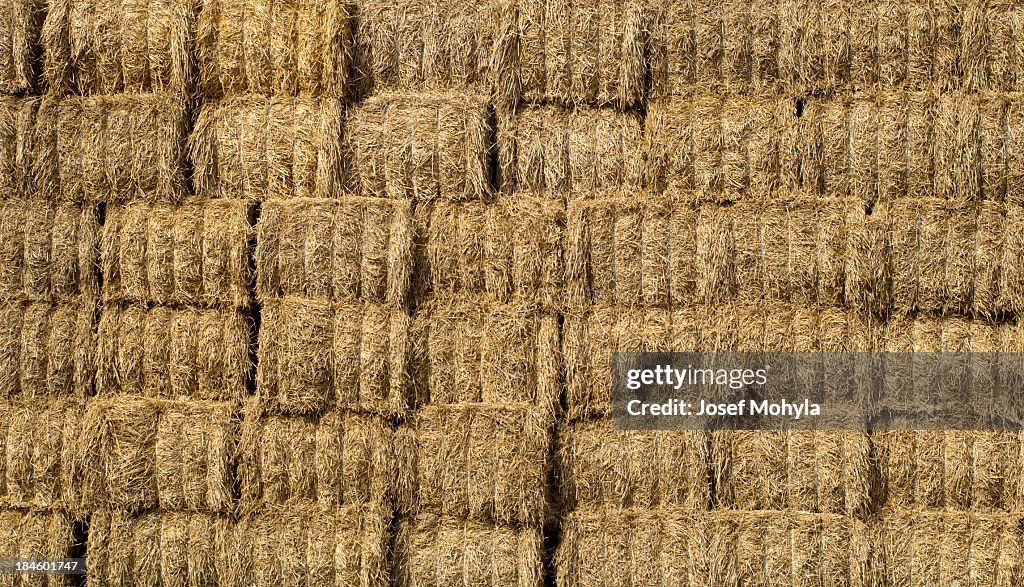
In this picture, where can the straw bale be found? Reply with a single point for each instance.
(420, 146)
(943, 548)
(433, 45)
(38, 447)
(485, 462)
(508, 252)
(869, 275)
(343, 249)
(334, 460)
(20, 29)
(287, 48)
(294, 546)
(958, 148)
(818, 35)
(599, 466)
(723, 149)
(806, 470)
(825, 148)
(892, 45)
(677, 547)
(1011, 269)
(93, 47)
(17, 146)
(960, 45)
(315, 355)
(111, 148)
(630, 252)
(36, 534)
(47, 350)
(167, 352)
(570, 153)
(893, 112)
(949, 469)
(920, 136)
(260, 148)
(581, 52)
(194, 254)
(138, 454)
(864, 47)
(471, 351)
(863, 150)
(48, 252)
(448, 552)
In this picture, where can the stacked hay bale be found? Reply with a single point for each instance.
(49, 290)
(484, 336)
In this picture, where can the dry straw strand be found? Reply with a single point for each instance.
(299, 48)
(420, 147)
(347, 249)
(484, 462)
(258, 148)
(167, 352)
(331, 461)
(448, 552)
(110, 148)
(316, 354)
(471, 351)
(194, 254)
(93, 48)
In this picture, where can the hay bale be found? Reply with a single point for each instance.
(723, 149)
(600, 467)
(294, 546)
(580, 52)
(111, 148)
(993, 156)
(1014, 152)
(47, 350)
(38, 447)
(48, 252)
(288, 48)
(630, 252)
(677, 547)
(194, 254)
(1002, 61)
(822, 471)
(1011, 269)
(949, 469)
(20, 28)
(508, 252)
(334, 460)
(920, 158)
(17, 146)
(260, 148)
(315, 355)
(139, 454)
(484, 462)
(960, 42)
(433, 45)
(989, 246)
(469, 351)
(958, 144)
(819, 37)
(420, 147)
(167, 352)
(92, 47)
(36, 534)
(938, 548)
(570, 154)
(346, 249)
(868, 267)
(449, 552)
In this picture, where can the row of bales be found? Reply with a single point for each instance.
(298, 293)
